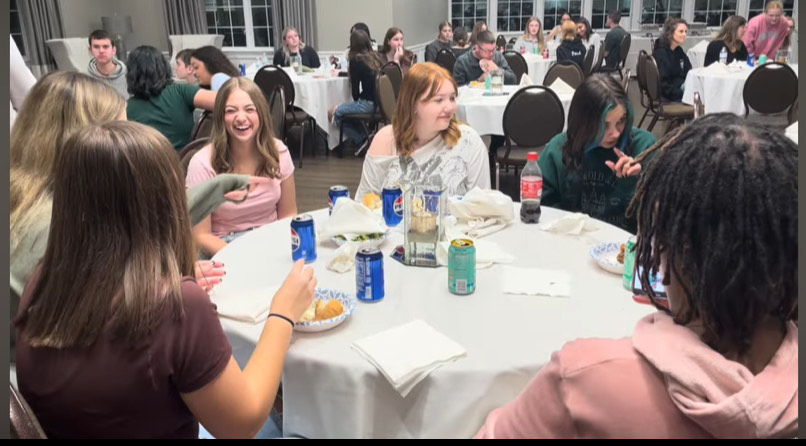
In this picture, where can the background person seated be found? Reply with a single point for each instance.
(532, 39)
(443, 41)
(571, 48)
(766, 32)
(475, 65)
(673, 63)
(292, 46)
(729, 38)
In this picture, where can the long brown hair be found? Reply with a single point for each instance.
(58, 105)
(423, 79)
(407, 57)
(730, 32)
(541, 41)
(476, 30)
(119, 242)
(266, 149)
(361, 49)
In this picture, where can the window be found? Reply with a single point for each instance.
(467, 12)
(513, 14)
(759, 6)
(16, 27)
(713, 12)
(603, 7)
(656, 11)
(554, 10)
(243, 23)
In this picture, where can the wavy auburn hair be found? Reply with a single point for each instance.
(420, 85)
(264, 145)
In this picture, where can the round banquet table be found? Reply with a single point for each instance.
(485, 113)
(538, 66)
(720, 92)
(330, 391)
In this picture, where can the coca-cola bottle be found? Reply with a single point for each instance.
(531, 189)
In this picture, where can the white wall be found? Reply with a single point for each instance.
(418, 19)
(335, 18)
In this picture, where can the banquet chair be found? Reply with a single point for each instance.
(671, 111)
(770, 89)
(277, 113)
(627, 74)
(500, 42)
(386, 96)
(599, 60)
(392, 70)
(566, 70)
(699, 107)
(640, 76)
(371, 121)
(517, 63)
(521, 135)
(24, 424)
(204, 127)
(624, 51)
(190, 149)
(446, 59)
(587, 63)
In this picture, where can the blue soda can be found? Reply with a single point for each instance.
(303, 238)
(334, 194)
(750, 60)
(392, 205)
(369, 275)
(242, 67)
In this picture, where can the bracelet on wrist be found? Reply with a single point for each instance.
(282, 317)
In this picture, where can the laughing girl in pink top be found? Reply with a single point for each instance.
(242, 141)
(723, 361)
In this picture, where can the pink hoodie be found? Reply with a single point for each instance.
(662, 383)
(761, 38)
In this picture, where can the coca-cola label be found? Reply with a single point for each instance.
(532, 189)
(295, 243)
(398, 206)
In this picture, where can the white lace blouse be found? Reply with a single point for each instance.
(457, 169)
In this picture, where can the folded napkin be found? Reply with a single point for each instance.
(407, 354)
(250, 305)
(350, 218)
(560, 87)
(487, 252)
(526, 80)
(574, 224)
(535, 281)
(792, 132)
(344, 258)
(715, 68)
(480, 212)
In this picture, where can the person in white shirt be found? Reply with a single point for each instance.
(426, 144)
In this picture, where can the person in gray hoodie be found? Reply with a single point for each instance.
(104, 65)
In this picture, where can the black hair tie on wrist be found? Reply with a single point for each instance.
(282, 317)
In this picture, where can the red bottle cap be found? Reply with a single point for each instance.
(531, 156)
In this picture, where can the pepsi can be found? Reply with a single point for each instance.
(392, 205)
(243, 69)
(303, 238)
(369, 275)
(335, 193)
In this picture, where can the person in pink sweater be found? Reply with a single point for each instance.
(722, 361)
(766, 32)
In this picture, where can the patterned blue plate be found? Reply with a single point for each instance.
(348, 301)
(605, 256)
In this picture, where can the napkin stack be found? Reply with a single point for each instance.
(480, 212)
(526, 80)
(407, 354)
(574, 224)
(715, 68)
(535, 281)
(560, 87)
(349, 219)
(250, 305)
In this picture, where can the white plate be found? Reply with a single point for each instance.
(363, 241)
(348, 301)
(605, 255)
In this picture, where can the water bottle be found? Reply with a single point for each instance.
(531, 189)
(723, 56)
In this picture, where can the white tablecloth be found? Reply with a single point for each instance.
(485, 113)
(792, 132)
(330, 391)
(538, 66)
(696, 54)
(719, 92)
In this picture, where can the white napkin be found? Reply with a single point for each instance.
(408, 353)
(535, 281)
(480, 212)
(291, 73)
(344, 258)
(715, 68)
(574, 224)
(251, 305)
(350, 218)
(560, 87)
(526, 80)
(792, 132)
(487, 252)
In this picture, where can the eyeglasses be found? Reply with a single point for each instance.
(486, 51)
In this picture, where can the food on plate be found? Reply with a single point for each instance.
(620, 256)
(321, 310)
(476, 84)
(372, 201)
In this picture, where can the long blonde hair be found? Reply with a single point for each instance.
(57, 106)
(541, 41)
(267, 153)
(423, 79)
(286, 50)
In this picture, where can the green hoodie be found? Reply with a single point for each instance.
(594, 189)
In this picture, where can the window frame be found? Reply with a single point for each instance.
(248, 26)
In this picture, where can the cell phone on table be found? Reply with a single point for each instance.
(656, 282)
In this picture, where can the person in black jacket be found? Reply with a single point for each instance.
(292, 46)
(673, 64)
(730, 38)
(571, 47)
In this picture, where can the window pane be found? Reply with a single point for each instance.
(237, 17)
(239, 34)
(227, 36)
(261, 36)
(211, 18)
(15, 23)
(259, 17)
(223, 18)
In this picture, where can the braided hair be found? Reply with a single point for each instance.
(719, 202)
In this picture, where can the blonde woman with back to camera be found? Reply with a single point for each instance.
(426, 144)
(116, 339)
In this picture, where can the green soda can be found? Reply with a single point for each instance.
(462, 267)
(629, 263)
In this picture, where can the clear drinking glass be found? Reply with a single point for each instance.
(424, 209)
(782, 56)
(497, 87)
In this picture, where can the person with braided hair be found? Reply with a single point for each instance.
(717, 216)
(590, 168)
